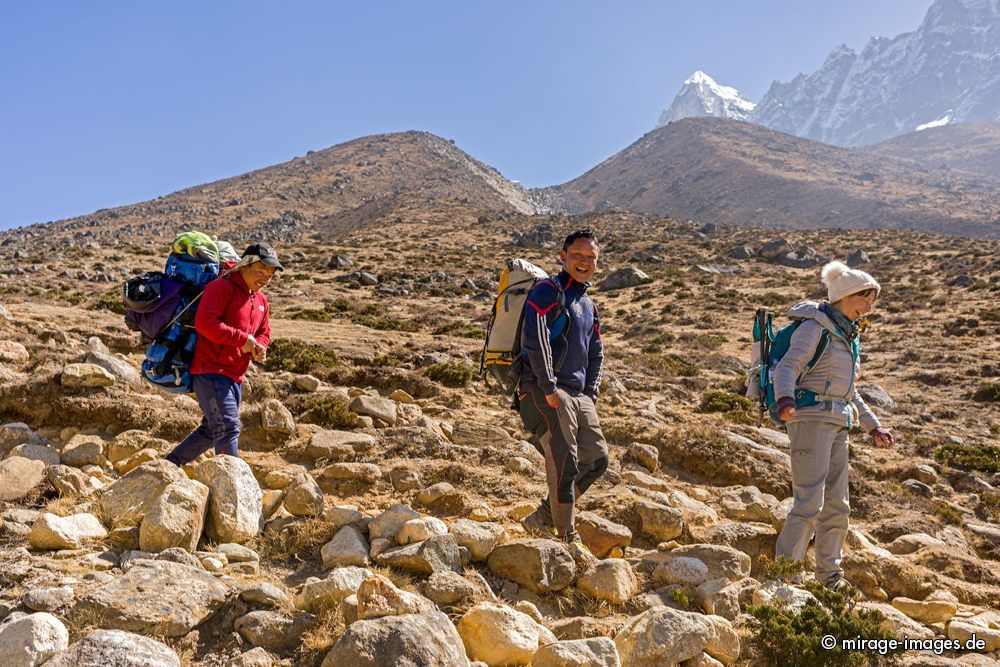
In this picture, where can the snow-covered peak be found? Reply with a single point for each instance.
(701, 95)
(944, 120)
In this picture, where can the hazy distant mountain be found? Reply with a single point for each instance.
(702, 96)
(728, 171)
(946, 71)
(970, 147)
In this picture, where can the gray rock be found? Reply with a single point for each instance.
(273, 630)
(48, 599)
(592, 652)
(31, 639)
(857, 258)
(625, 278)
(375, 407)
(876, 396)
(437, 554)
(121, 370)
(116, 648)
(348, 547)
(156, 598)
(19, 477)
(541, 565)
(129, 499)
(414, 640)
(235, 512)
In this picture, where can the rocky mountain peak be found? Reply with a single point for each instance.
(701, 95)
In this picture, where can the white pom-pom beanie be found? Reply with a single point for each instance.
(841, 280)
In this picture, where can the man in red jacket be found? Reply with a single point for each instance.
(233, 328)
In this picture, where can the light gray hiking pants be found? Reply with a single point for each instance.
(576, 454)
(819, 486)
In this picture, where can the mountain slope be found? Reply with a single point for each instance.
(727, 171)
(947, 70)
(317, 191)
(702, 96)
(971, 147)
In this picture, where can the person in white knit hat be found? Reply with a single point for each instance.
(819, 408)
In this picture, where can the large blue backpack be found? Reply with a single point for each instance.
(169, 356)
(769, 348)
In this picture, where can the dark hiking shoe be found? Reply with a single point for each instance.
(535, 524)
(839, 585)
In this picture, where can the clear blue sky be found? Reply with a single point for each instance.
(109, 103)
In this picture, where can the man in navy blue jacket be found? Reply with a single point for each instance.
(563, 357)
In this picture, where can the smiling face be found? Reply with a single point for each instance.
(855, 306)
(256, 275)
(579, 259)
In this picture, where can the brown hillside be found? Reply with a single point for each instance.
(971, 147)
(320, 191)
(726, 171)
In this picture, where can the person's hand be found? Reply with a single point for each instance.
(259, 353)
(249, 346)
(883, 437)
(786, 409)
(553, 400)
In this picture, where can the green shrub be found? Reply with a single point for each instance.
(461, 329)
(385, 323)
(680, 596)
(110, 300)
(312, 315)
(988, 392)
(779, 568)
(330, 412)
(339, 305)
(296, 356)
(984, 458)
(794, 639)
(451, 374)
(947, 513)
(724, 401)
(672, 364)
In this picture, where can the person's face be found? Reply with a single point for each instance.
(580, 259)
(257, 275)
(855, 306)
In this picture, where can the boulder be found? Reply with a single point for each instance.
(234, 505)
(36, 452)
(127, 500)
(131, 442)
(498, 635)
(414, 640)
(237, 553)
(348, 547)
(326, 593)
(378, 597)
(156, 598)
(121, 370)
(376, 407)
(593, 652)
(625, 278)
(659, 521)
(601, 535)
(722, 561)
(12, 352)
(273, 630)
(611, 580)
(541, 565)
(83, 450)
(780, 594)
(897, 623)
(682, 570)
(31, 640)
(65, 532)
(436, 554)
(338, 445)
(19, 477)
(450, 588)
(116, 648)
(85, 376)
(303, 497)
(418, 530)
(911, 542)
(69, 481)
(963, 632)
(663, 636)
(442, 496)
(479, 537)
(176, 519)
(926, 611)
(388, 523)
(467, 433)
(647, 456)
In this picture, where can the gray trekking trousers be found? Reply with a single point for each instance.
(819, 487)
(576, 453)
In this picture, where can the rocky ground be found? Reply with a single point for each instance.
(375, 512)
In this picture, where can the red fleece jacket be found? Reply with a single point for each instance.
(228, 313)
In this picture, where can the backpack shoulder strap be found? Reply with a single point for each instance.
(824, 342)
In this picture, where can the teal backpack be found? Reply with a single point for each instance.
(769, 348)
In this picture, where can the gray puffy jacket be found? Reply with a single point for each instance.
(833, 377)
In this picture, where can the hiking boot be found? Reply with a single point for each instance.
(838, 584)
(535, 524)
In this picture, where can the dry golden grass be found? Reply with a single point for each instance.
(321, 637)
(300, 541)
(80, 622)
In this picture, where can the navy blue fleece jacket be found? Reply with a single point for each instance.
(573, 357)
